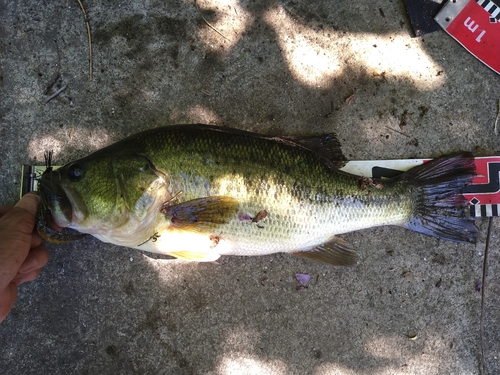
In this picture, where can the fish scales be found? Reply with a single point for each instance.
(307, 201)
(198, 192)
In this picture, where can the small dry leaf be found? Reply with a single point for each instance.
(260, 215)
(478, 287)
(349, 99)
(404, 118)
(362, 184)
(377, 74)
(439, 283)
(423, 111)
(72, 133)
(412, 142)
(412, 337)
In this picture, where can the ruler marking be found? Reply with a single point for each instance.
(494, 210)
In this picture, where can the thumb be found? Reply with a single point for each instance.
(7, 299)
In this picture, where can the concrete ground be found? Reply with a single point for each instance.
(286, 67)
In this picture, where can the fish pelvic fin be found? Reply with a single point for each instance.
(440, 210)
(336, 252)
(195, 256)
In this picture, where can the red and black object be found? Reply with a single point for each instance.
(475, 24)
(483, 193)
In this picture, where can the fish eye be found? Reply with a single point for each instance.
(146, 167)
(76, 172)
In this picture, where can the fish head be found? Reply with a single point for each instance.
(103, 191)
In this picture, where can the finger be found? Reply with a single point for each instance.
(25, 277)
(5, 209)
(36, 259)
(36, 240)
(29, 202)
(16, 228)
(7, 298)
(25, 202)
(22, 217)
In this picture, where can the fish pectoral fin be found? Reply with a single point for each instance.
(195, 256)
(201, 212)
(336, 252)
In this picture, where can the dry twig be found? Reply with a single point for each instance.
(397, 131)
(208, 23)
(496, 120)
(485, 271)
(52, 83)
(349, 99)
(86, 19)
(58, 74)
(56, 94)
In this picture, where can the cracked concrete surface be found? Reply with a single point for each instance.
(283, 68)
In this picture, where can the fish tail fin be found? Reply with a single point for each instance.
(440, 210)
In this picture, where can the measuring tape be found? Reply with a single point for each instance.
(475, 24)
(483, 193)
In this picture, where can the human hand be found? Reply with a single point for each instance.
(22, 254)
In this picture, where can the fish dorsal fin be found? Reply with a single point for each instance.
(200, 213)
(336, 252)
(327, 146)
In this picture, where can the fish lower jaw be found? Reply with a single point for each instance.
(127, 241)
(130, 232)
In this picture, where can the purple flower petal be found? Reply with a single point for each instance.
(303, 278)
(246, 218)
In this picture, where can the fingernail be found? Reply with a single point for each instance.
(29, 266)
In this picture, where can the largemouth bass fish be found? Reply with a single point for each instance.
(197, 192)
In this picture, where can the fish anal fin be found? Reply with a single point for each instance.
(336, 252)
(201, 212)
(195, 256)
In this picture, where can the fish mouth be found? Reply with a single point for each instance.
(54, 199)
